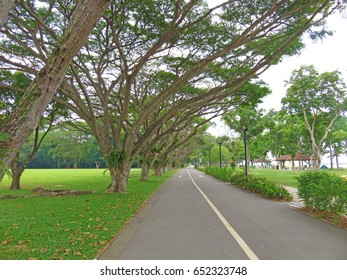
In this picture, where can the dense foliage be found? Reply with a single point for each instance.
(149, 70)
(323, 191)
(253, 183)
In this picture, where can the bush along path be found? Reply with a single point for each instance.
(325, 196)
(256, 184)
(320, 194)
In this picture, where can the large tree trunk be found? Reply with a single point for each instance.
(25, 118)
(317, 160)
(5, 8)
(16, 176)
(17, 172)
(145, 167)
(119, 177)
(158, 168)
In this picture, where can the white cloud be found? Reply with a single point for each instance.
(326, 55)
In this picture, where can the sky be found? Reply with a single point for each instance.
(325, 55)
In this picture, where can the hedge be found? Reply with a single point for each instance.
(256, 184)
(323, 191)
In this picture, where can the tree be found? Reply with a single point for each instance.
(64, 138)
(174, 135)
(16, 84)
(319, 100)
(248, 117)
(147, 62)
(25, 117)
(148, 79)
(5, 7)
(20, 162)
(336, 141)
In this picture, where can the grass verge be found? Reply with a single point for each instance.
(287, 177)
(67, 227)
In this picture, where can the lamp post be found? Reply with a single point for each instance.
(209, 157)
(244, 129)
(220, 153)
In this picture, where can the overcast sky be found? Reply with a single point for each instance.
(327, 55)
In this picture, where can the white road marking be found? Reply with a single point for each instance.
(200, 176)
(180, 176)
(231, 230)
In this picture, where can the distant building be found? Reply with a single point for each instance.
(300, 161)
(261, 163)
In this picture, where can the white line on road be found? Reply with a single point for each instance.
(232, 231)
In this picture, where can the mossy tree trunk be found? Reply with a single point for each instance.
(17, 170)
(144, 170)
(119, 177)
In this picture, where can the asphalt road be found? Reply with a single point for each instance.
(194, 216)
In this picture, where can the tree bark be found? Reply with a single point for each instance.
(337, 158)
(317, 159)
(331, 158)
(16, 176)
(119, 177)
(158, 169)
(17, 172)
(25, 118)
(5, 8)
(144, 170)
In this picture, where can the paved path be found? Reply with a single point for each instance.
(194, 216)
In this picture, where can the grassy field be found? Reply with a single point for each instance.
(287, 177)
(67, 227)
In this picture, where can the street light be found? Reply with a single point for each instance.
(220, 152)
(244, 129)
(209, 157)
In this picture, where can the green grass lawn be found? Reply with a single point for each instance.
(67, 227)
(287, 177)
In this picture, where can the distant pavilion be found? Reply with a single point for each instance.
(302, 161)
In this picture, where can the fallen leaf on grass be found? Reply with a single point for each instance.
(8, 240)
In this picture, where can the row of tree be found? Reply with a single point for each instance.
(312, 121)
(143, 75)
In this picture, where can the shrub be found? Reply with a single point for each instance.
(261, 185)
(221, 174)
(323, 191)
(256, 184)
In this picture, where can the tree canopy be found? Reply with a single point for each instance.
(148, 68)
(319, 100)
